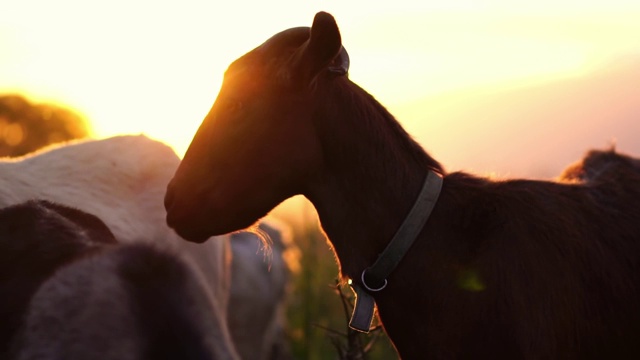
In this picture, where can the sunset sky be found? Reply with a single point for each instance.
(462, 76)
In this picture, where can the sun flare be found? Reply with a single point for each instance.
(145, 67)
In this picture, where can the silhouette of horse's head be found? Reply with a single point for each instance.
(258, 145)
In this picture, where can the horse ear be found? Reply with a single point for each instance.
(323, 50)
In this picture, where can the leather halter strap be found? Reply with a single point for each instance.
(374, 278)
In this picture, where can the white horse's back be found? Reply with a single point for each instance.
(98, 176)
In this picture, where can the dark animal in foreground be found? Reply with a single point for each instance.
(512, 269)
(37, 238)
(122, 181)
(71, 291)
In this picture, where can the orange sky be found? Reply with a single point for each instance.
(155, 67)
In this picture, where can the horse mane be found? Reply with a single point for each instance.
(380, 123)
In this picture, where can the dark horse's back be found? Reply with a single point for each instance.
(603, 293)
(613, 181)
(546, 270)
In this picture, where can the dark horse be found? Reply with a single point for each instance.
(502, 269)
(69, 290)
(36, 239)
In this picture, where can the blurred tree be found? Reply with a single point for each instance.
(25, 127)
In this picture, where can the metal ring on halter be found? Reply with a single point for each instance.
(367, 287)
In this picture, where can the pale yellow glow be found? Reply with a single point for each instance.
(155, 67)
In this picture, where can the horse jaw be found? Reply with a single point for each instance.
(204, 213)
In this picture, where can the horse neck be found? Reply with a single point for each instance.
(373, 172)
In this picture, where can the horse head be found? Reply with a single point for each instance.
(258, 145)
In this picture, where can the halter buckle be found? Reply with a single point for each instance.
(370, 288)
